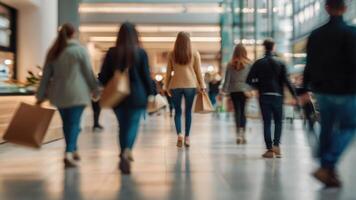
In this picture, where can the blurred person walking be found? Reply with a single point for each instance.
(186, 81)
(235, 85)
(269, 76)
(128, 55)
(214, 88)
(97, 127)
(68, 82)
(330, 73)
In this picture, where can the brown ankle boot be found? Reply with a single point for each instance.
(268, 154)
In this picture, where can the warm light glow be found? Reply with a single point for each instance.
(211, 68)
(149, 29)
(8, 62)
(159, 77)
(150, 8)
(158, 39)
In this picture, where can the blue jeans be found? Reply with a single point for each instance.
(71, 125)
(129, 121)
(272, 106)
(177, 95)
(338, 126)
(212, 97)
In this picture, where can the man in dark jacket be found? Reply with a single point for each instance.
(269, 76)
(330, 73)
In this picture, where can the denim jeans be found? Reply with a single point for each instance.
(71, 125)
(338, 126)
(177, 95)
(272, 106)
(212, 97)
(239, 102)
(129, 121)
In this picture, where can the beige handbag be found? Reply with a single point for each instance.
(203, 104)
(117, 89)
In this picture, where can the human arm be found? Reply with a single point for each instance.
(146, 75)
(42, 90)
(107, 70)
(197, 71)
(227, 79)
(87, 70)
(168, 77)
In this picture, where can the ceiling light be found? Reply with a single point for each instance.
(150, 8)
(150, 29)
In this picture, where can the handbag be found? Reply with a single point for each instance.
(117, 89)
(203, 104)
(29, 125)
(157, 104)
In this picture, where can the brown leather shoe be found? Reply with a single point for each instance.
(268, 154)
(328, 177)
(180, 141)
(277, 151)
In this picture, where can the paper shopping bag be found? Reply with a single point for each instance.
(203, 104)
(29, 125)
(117, 89)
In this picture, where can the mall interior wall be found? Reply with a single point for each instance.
(37, 28)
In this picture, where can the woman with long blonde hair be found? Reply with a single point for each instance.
(235, 84)
(186, 81)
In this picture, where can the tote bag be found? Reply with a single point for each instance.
(29, 125)
(156, 105)
(203, 104)
(117, 89)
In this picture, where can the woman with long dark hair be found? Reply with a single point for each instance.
(187, 79)
(128, 55)
(68, 73)
(235, 84)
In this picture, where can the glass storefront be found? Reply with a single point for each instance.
(8, 77)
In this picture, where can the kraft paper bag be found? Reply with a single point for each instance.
(203, 104)
(158, 104)
(29, 125)
(116, 90)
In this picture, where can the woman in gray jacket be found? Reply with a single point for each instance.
(68, 82)
(235, 85)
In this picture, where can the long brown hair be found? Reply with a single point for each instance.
(127, 45)
(182, 52)
(239, 58)
(66, 32)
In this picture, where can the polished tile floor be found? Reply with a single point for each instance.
(213, 168)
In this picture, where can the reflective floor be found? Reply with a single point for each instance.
(213, 168)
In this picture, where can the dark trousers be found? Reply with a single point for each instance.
(177, 97)
(96, 112)
(272, 107)
(239, 103)
(129, 121)
(71, 125)
(338, 126)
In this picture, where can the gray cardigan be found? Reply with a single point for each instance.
(235, 81)
(69, 80)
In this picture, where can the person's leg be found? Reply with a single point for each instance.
(177, 95)
(134, 117)
(75, 114)
(277, 117)
(212, 97)
(242, 110)
(327, 120)
(65, 127)
(122, 125)
(235, 102)
(96, 113)
(343, 131)
(266, 112)
(189, 95)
